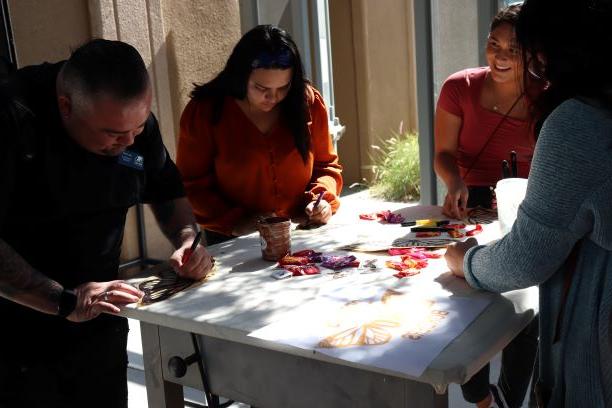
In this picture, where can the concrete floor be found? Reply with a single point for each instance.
(137, 396)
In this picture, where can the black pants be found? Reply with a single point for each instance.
(518, 359)
(88, 370)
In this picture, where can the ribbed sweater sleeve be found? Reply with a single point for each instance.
(570, 164)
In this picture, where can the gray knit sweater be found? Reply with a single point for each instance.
(568, 202)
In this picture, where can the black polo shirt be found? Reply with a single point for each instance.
(66, 209)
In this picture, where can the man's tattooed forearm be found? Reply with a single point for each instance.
(23, 284)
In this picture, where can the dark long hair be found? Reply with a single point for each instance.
(531, 86)
(567, 43)
(508, 15)
(267, 47)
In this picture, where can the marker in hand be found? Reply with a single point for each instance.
(316, 204)
(309, 223)
(194, 245)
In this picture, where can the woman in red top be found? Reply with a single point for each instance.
(481, 117)
(254, 141)
(483, 114)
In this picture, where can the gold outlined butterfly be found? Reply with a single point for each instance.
(369, 334)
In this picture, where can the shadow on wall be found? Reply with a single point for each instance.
(173, 78)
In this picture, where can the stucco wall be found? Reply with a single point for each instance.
(345, 92)
(199, 37)
(47, 30)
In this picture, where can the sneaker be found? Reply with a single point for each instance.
(498, 397)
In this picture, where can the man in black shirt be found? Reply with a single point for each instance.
(78, 147)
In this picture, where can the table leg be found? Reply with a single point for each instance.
(160, 393)
(420, 396)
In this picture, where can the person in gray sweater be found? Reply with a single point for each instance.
(562, 237)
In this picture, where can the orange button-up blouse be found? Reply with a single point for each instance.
(231, 169)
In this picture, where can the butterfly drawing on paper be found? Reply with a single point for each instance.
(368, 334)
(357, 330)
(395, 311)
(423, 317)
(426, 326)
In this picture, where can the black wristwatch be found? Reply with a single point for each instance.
(67, 302)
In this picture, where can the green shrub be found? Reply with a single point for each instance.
(396, 168)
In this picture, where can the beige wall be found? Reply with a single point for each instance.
(374, 81)
(47, 30)
(345, 87)
(199, 36)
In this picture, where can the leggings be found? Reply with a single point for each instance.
(518, 359)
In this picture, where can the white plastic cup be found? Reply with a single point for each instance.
(509, 193)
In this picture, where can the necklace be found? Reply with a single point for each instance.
(497, 108)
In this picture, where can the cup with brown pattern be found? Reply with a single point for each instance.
(275, 237)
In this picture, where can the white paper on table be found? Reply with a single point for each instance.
(399, 331)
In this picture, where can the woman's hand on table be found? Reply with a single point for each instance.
(319, 215)
(455, 254)
(455, 202)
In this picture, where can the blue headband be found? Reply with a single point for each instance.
(282, 59)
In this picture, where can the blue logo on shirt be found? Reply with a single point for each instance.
(131, 159)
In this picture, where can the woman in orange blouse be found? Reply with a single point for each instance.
(255, 141)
